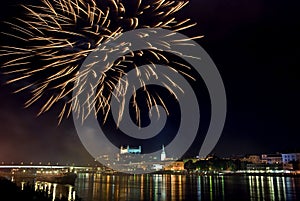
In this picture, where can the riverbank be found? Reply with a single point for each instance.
(280, 173)
(211, 173)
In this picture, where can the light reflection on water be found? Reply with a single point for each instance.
(53, 190)
(161, 187)
(56, 190)
(186, 187)
(274, 188)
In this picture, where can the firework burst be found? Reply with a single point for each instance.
(56, 36)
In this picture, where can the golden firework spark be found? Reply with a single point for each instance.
(57, 35)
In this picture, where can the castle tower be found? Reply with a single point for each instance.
(163, 154)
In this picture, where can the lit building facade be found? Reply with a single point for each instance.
(252, 159)
(175, 166)
(130, 150)
(163, 154)
(286, 158)
(271, 158)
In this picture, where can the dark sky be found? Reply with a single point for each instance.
(256, 47)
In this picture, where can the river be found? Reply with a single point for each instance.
(160, 187)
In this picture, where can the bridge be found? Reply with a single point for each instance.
(54, 167)
(34, 167)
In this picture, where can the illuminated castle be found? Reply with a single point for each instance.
(130, 150)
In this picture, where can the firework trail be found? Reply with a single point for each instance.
(55, 37)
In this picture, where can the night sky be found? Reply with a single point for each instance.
(256, 47)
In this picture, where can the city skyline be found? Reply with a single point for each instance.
(254, 46)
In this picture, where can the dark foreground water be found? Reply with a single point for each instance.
(97, 187)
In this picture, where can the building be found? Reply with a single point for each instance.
(157, 167)
(271, 158)
(130, 150)
(264, 166)
(175, 166)
(288, 166)
(286, 158)
(252, 159)
(163, 154)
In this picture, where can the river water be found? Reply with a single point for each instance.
(98, 187)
